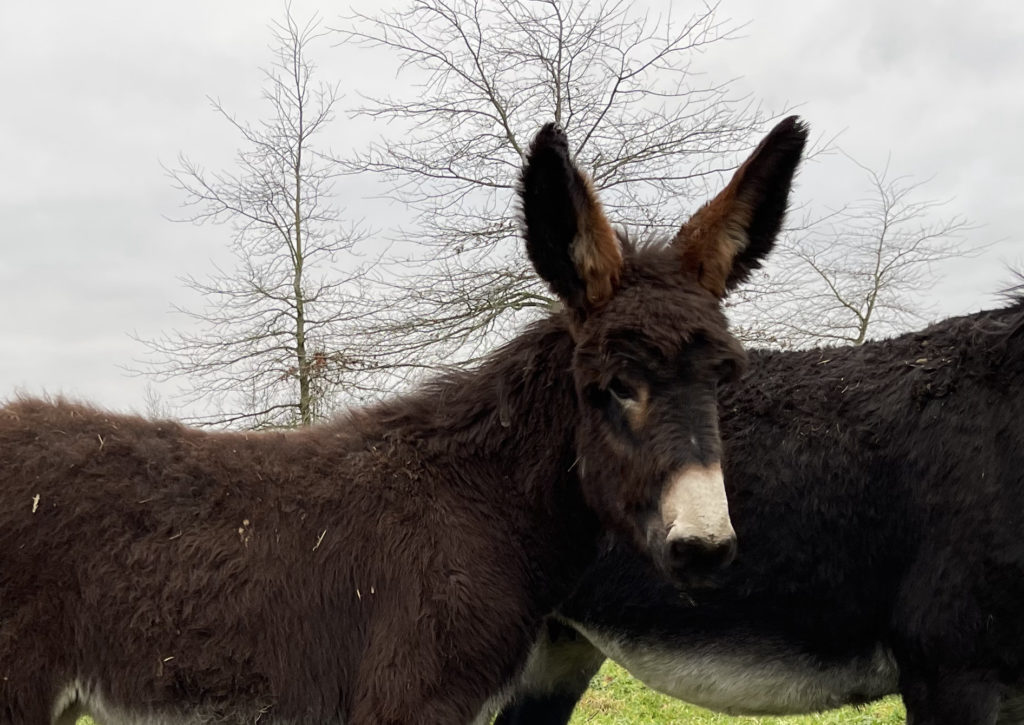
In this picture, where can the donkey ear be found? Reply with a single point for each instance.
(568, 239)
(730, 235)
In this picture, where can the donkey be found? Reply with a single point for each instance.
(878, 495)
(367, 570)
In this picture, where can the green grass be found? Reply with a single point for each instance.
(615, 698)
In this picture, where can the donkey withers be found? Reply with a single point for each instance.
(878, 496)
(368, 570)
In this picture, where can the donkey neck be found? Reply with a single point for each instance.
(515, 414)
(507, 429)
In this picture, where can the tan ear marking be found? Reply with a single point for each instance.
(713, 236)
(729, 236)
(596, 250)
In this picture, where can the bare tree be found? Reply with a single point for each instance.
(482, 77)
(857, 272)
(267, 349)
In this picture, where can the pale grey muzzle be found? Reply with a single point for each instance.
(694, 506)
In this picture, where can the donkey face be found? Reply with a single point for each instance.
(651, 341)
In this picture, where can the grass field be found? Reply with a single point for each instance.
(615, 698)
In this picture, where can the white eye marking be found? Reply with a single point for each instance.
(633, 402)
(628, 404)
(621, 390)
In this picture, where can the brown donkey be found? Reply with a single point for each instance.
(368, 570)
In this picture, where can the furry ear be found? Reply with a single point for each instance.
(568, 239)
(730, 235)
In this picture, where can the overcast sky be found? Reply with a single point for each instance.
(96, 95)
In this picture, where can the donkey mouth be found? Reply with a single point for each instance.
(694, 558)
(690, 562)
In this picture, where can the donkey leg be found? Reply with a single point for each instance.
(29, 688)
(944, 696)
(557, 674)
(23, 700)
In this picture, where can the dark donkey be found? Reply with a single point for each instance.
(368, 570)
(878, 496)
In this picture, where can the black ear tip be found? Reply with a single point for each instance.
(551, 134)
(792, 128)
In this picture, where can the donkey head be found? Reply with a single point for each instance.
(651, 341)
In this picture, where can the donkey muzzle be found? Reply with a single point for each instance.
(695, 513)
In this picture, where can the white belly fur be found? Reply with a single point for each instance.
(772, 680)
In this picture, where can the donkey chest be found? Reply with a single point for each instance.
(745, 676)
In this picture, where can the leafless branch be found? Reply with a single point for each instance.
(269, 346)
(481, 79)
(857, 272)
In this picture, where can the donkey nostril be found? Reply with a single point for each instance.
(700, 556)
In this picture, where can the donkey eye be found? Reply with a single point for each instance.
(621, 390)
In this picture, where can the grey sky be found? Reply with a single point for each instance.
(96, 95)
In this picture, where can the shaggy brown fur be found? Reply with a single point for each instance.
(368, 570)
